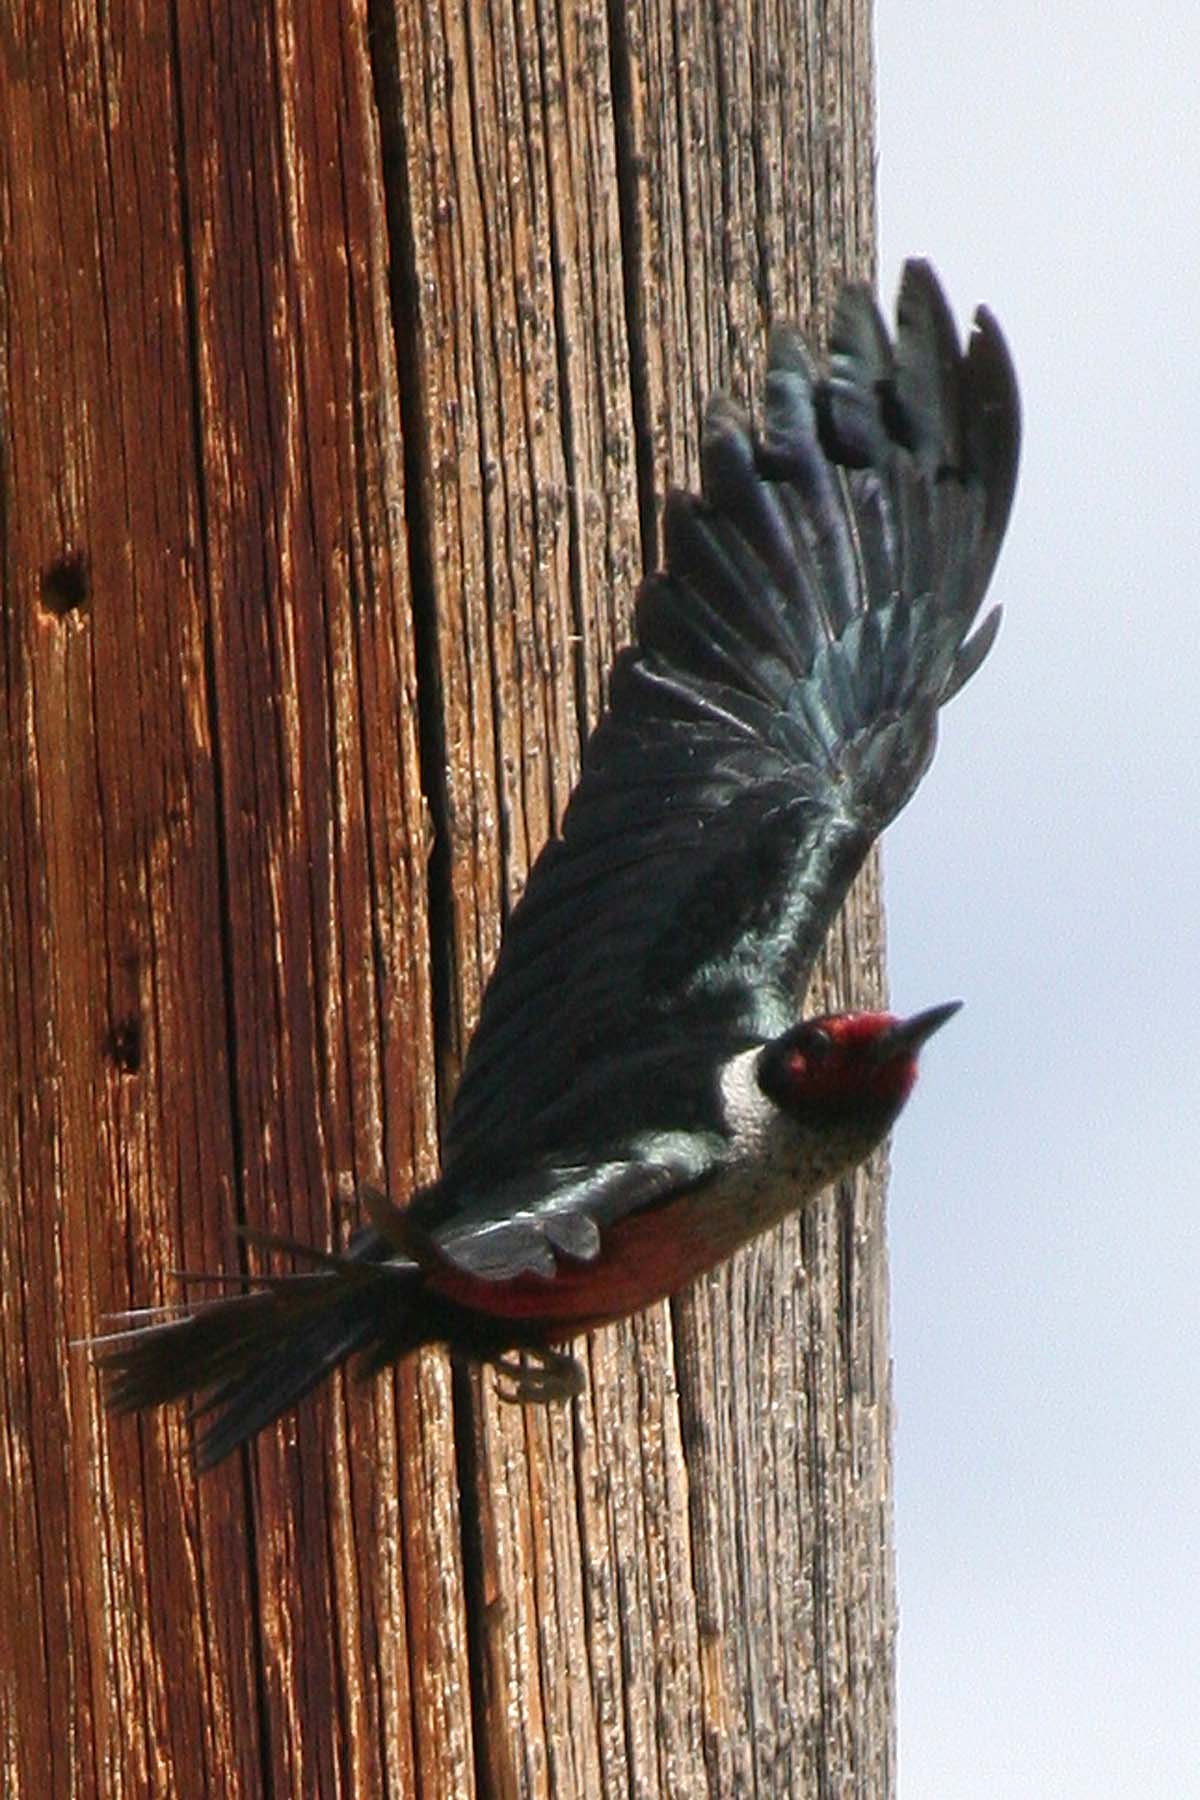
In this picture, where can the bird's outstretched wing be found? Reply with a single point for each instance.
(776, 710)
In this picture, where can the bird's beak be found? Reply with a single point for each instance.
(907, 1035)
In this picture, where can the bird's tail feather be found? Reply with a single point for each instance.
(249, 1357)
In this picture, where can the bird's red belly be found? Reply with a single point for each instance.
(642, 1258)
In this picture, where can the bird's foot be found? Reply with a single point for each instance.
(538, 1376)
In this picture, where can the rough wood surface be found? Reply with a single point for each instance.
(345, 355)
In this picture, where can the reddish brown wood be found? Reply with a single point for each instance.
(218, 996)
(343, 359)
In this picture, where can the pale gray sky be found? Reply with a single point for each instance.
(1045, 1255)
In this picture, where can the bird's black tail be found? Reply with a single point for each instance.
(249, 1357)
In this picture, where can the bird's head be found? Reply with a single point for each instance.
(848, 1070)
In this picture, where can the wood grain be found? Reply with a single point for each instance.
(345, 356)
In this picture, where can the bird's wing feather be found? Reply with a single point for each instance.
(525, 1224)
(776, 710)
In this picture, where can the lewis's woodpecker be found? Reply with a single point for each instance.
(642, 1095)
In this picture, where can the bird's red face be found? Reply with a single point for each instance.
(849, 1064)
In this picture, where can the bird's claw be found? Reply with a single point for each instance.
(538, 1377)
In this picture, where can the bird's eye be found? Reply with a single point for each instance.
(816, 1044)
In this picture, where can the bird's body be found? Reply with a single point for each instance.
(765, 1164)
(760, 1161)
(641, 1096)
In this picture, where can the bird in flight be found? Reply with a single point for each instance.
(642, 1094)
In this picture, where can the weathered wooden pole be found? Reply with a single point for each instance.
(345, 354)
